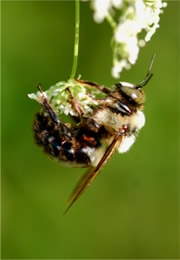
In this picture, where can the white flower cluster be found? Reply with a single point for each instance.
(60, 98)
(102, 8)
(136, 16)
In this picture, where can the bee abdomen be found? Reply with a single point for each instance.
(74, 152)
(50, 143)
(67, 151)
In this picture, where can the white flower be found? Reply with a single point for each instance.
(60, 99)
(103, 7)
(136, 16)
(32, 96)
(118, 67)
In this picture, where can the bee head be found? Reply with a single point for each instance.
(134, 93)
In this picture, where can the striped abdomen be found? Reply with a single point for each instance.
(77, 151)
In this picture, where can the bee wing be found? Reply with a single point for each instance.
(79, 184)
(92, 173)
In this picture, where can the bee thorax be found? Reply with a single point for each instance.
(137, 120)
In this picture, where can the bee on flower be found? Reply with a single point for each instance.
(101, 120)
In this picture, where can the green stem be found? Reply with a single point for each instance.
(111, 21)
(76, 39)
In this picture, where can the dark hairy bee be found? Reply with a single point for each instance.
(113, 125)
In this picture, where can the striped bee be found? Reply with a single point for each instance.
(113, 125)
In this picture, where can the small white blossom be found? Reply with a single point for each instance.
(103, 7)
(32, 96)
(136, 16)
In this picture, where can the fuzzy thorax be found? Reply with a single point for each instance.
(137, 122)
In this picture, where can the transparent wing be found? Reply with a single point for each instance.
(92, 173)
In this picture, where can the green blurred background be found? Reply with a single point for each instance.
(131, 210)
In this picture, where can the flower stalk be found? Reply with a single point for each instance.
(76, 39)
(59, 94)
(111, 21)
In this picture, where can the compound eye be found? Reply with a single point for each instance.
(133, 94)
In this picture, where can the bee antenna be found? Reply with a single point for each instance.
(148, 75)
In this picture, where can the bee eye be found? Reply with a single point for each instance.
(131, 93)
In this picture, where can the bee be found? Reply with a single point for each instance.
(90, 143)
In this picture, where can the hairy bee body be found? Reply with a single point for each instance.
(90, 137)
(112, 125)
(108, 120)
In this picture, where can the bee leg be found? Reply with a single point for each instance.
(94, 85)
(64, 130)
(78, 109)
